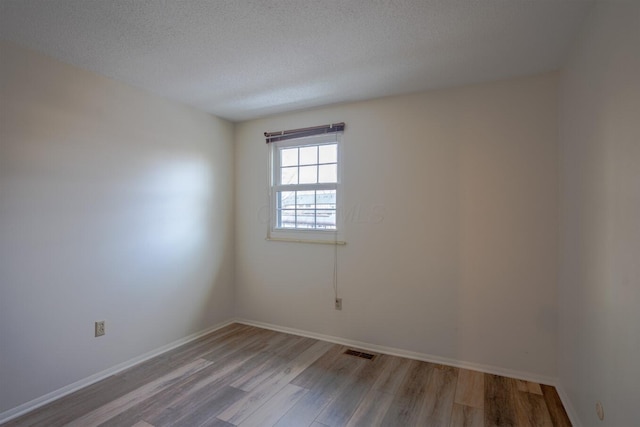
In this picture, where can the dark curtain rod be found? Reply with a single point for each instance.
(283, 135)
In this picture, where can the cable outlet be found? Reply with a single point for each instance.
(100, 328)
(600, 410)
(338, 303)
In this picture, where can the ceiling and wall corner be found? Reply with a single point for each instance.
(244, 59)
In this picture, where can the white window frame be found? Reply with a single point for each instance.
(305, 235)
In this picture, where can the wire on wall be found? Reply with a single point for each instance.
(335, 269)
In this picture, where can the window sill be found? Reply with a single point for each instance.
(293, 240)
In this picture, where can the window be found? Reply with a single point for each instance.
(305, 194)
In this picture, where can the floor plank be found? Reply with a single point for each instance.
(498, 401)
(371, 410)
(466, 416)
(78, 403)
(237, 342)
(338, 411)
(166, 362)
(470, 388)
(269, 413)
(521, 385)
(257, 375)
(557, 412)
(189, 394)
(314, 374)
(306, 410)
(205, 398)
(242, 409)
(123, 403)
(325, 379)
(393, 372)
(200, 413)
(407, 404)
(439, 395)
(531, 409)
(534, 388)
(215, 422)
(293, 346)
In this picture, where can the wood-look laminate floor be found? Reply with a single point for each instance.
(246, 376)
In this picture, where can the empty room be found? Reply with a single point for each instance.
(320, 213)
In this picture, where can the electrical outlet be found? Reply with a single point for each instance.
(100, 328)
(338, 303)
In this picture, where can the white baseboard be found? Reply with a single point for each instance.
(566, 402)
(527, 376)
(61, 392)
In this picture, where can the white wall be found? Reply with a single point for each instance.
(452, 219)
(599, 297)
(114, 205)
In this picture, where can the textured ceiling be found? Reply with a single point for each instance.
(242, 59)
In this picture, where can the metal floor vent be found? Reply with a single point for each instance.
(356, 353)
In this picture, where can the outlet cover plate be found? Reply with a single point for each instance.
(100, 328)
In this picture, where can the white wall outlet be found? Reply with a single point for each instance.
(100, 328)
(338, 303)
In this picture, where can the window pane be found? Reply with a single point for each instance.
(308, 174)
(287, 219)
(286, 199)
(289, 157)
(306, 219)
(328, 173)
(289, 175)
(329, 153)
(306, 199)
(326, 199)
(309, 155)
(326, 219)
(309, 166)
